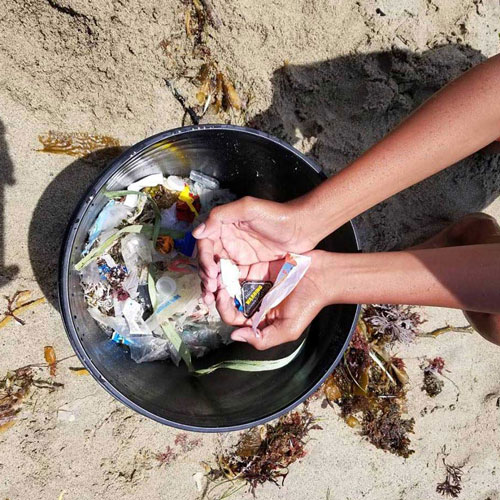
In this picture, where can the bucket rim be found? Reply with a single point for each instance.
(64, 269)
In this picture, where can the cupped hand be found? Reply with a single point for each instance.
(287, 321)
(248, 231)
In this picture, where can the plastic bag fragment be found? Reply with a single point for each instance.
(292, 271)
(110, 217)
(151, 180)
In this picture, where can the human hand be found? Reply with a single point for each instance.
(290, 318)
(248, 231)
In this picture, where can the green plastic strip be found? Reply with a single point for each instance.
(167, 327)
(244, 365)
(97, 252)
(175, 338)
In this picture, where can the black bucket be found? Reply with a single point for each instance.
(248, 162)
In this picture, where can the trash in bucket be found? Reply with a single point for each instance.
(138, 271)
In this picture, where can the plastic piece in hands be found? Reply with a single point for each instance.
(292, 271)
(252, 294)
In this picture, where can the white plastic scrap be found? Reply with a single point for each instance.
(230, 275)
(174, 183)
(149, 181)
(292, 271)
(132, 312)
(204, 180)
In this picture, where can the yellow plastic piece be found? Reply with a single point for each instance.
(184, 196)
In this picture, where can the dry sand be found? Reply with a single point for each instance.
(352, 73)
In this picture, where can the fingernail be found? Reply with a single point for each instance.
(199, 230)
(237, 338)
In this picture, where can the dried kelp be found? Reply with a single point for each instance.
(50, 357)
(264, 454)
(17, 304)
(15, 387)
(193, 75)
(77, 144)
(447, 329)
(370, 385)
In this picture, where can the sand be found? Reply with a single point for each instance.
(330, 78)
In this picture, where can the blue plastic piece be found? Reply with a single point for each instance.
(238, 305)
(116, 337)
(186, 244)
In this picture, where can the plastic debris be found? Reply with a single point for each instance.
(206, 181)
(230, 275)
(147, 297)
(252, 294)
(110, 217)
(292, 271)
(164, 244)
(188, 206)
(186, 245)
(175, 183)
(170, 221)
(149, 181)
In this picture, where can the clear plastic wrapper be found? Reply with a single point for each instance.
(144, 349)
(292, 271)
(204, 180)
(137, 252)
(110, 217)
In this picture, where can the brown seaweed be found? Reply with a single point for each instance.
(452, 485)
(370, 385)
(77, 144)
(264, 454)
(16, 305)
(50, 358)
(14, 388)
(433, 385)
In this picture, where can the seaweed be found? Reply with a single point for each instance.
(370, 385)
(192, 66)
(17, 304)
(264, 454)
(452, 485)
(432, 385)
(392, 323)
(15, 386)
(77, 144)
(50, 358)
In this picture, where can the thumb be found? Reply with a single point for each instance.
(272, 335)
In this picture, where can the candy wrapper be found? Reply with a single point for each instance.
(293, 270)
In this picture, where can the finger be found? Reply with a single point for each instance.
(258, 271)
(208, 297)
(235, 211)
(210, 284)
(206, 258)
(227, 310)
(272, 335)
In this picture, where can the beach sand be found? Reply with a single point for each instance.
(331, 78)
